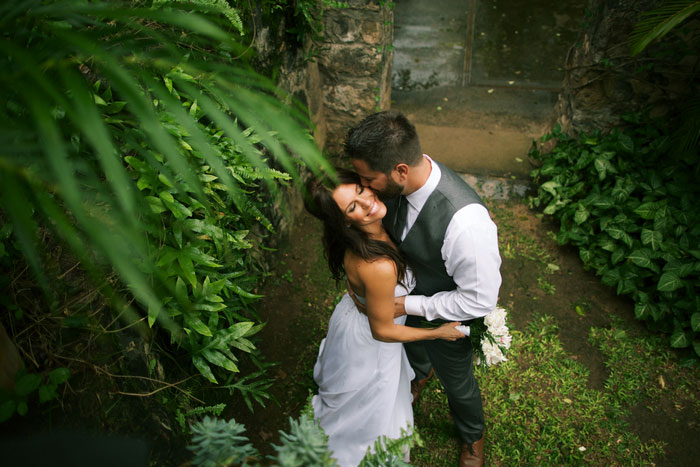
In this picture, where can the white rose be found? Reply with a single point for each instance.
(492, 353)
(504, 340)
(496, 319)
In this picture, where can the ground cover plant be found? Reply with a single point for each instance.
(628, 206)
(583, 373)
(553, 402)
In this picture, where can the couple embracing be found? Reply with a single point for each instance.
(415, 244)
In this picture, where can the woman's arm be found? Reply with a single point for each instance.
(379, 280)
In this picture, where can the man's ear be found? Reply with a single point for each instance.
(401, 171)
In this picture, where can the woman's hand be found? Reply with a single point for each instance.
(449, 332)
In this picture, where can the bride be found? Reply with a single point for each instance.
(362, 372)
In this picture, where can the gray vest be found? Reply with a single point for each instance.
(423, 243)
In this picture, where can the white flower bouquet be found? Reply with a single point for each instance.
(490, 338)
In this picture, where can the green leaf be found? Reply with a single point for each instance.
(679, 339)
(611, 277)
(212, 288)
(185, 262)
(193, 322)
(179, 210)
(652, 237)
(203, 368)
(669, 282)
(643, 257)
(238, 330)
(657, 23)
(647, 210)
(7, 409)
(181, 291)
(59, 376)
(115, 107)
(254, 330)
(209, 306)
(695, 322)
(22, 408)
(550, 187)
(26, 384)
(601, 166)
(217, 358)
(617, 255)
(642, 311)
(239, 291)
(166, 181)
(167, 256)
(155, 204)
(626, 142)
(243, 344)
(201, 258)
(47, 393)
(99, 100)
(152, 315)
(581, 214)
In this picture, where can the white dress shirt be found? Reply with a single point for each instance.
(470, 253)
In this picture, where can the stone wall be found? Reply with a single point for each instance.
(341, 80)
(347, 76)
(355, 66)
(603, 82)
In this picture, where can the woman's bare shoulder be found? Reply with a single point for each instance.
(375, 269)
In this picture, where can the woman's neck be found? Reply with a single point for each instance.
(380, 235)
(376, 231)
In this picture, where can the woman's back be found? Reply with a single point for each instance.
(370, 277)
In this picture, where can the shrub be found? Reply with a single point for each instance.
(631, 210)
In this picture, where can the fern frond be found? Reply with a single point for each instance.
(390, 452)
(220, 6)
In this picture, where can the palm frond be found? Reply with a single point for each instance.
(655, 24)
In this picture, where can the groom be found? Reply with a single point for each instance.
(443, 229)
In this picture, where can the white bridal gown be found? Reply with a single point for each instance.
(364, 384)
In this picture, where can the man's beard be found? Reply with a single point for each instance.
(391, 190)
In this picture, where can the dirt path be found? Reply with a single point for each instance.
(538, 277)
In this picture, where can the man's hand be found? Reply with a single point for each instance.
(399, 308)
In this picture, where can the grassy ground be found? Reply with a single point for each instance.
(584, 384)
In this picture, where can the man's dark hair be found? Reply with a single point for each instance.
(383, 140)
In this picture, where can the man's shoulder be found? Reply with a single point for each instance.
(453, 189)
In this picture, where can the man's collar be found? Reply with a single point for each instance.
(418, 198)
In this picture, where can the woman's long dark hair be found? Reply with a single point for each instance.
(340, 236)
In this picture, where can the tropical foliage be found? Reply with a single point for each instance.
(629, 208)
(134, 135)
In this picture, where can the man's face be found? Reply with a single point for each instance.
(382, 184)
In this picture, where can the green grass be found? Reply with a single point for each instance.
(540, 410)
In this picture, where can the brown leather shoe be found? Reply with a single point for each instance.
(417, 386)
(472, 454)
